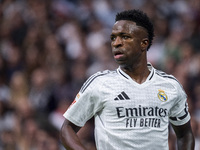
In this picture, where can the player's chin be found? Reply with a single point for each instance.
(121, 63)
(120, 60)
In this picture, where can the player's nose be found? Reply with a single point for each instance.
(117, 42)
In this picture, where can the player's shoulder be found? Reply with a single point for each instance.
(169, 78)
(98, 78)
(103, 74)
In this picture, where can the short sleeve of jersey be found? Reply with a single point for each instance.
(179, 114)
(86, 103)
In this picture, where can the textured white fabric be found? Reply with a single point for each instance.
(129, 115)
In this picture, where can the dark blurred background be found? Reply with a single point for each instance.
(48, 48)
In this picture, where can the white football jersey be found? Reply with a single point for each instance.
(129, 115)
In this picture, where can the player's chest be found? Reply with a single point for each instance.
(132, 106)
(131, 96)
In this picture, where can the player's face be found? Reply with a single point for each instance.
(128, 42)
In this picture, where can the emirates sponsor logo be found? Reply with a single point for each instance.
(142, 116)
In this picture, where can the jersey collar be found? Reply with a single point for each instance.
(150, 67)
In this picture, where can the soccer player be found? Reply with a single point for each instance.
(134, 104)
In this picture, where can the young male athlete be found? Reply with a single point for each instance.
(134, 104)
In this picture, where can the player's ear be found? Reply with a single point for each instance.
(144, 44)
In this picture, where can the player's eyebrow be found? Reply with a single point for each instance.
(119, 34)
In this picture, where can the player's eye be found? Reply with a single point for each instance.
(112, 38)
(125, 37)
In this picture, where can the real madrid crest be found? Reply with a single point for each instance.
(162, 96)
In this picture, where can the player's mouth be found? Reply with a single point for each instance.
(118, 54)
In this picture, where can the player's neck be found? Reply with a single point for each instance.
(138, 72)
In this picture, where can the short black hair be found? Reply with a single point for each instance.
(140, 18)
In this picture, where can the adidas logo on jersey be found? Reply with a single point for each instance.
(122, 96)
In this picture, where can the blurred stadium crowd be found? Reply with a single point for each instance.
(48, 48)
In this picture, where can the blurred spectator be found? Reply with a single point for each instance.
(19, 87)
(56, 116)
(8, 140)
(40, 95)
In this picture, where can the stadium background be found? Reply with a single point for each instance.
(48, 48)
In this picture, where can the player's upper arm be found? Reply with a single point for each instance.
(67, 124)
(185, 137)
(182, 130)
